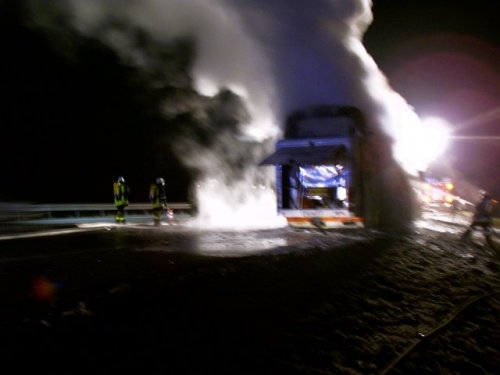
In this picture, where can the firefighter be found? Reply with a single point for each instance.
(120, 191)
(483, 218)
(158, 199)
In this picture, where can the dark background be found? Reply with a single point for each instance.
(73, 116)
(443, 57)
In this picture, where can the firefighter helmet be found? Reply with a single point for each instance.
(120, 179)
(160, 181)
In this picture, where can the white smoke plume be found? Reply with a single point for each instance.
(279, 55)
(226, 56)
(318, 57)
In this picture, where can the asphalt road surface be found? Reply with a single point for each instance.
(105, 299)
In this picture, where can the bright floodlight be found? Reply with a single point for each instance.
(435, 134)
(422, 143)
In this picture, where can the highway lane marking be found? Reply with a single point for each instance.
(57, 232)
(82, 228)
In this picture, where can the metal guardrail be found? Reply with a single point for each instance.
(96, 207)
(20, 211)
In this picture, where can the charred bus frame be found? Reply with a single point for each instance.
(319, 167)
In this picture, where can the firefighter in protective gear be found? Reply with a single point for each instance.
(158, 199)
(120, 191)
(483, 218)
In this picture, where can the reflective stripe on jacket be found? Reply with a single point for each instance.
(157, 196)
(120, 194)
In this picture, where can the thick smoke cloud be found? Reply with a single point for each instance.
(226, 57)
(278, 56)
(307, 44)
(228, 191)
(317, 56)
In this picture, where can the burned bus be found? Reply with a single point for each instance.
(318, 167)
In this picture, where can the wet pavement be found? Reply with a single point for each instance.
(96, 297)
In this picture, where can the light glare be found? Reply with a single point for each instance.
(422, 143)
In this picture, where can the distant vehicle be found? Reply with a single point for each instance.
(318, 171)
(441, 191)
(437, 191)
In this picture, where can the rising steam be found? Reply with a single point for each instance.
(278, 56)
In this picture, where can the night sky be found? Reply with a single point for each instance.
(74, 116)
(443, 57)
